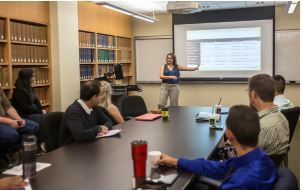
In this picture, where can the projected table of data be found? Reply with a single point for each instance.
(236, 49)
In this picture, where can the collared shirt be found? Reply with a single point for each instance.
(254, 170)
(274, 131)
(84, 106)
(282, 102)
(4, 103)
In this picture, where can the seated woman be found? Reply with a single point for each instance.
(109, 108)
(24, 99)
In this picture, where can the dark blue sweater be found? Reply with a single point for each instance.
(254, 170)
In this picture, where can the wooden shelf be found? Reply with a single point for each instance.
(106, 63)
(29, 43)
(84, 80)
(5, 87)
(30, 64)
(87, 63)
(127, 75)
(3, 64)
(105, 48)
(40, 85)
(87, 47)
(124, 62)
(45, 104)
(3, 41)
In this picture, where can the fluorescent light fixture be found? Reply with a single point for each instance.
(118, 10)
(128, 12)
(291, 6)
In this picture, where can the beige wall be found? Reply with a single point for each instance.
(208, 94)
(65, 53)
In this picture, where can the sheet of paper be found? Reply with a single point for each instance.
(18, 170)
(110, 133)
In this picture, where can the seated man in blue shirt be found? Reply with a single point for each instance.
(252, 169)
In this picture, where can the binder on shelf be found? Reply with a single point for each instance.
(2, 29)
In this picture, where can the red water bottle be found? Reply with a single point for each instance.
(139, 157)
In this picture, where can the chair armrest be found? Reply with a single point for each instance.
(215, 184)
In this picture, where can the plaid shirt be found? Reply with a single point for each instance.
(4, 103)
(274, 131)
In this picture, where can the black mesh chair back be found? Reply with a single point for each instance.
(51, 126)
(292, 116)
(133, 106)
(286, 180)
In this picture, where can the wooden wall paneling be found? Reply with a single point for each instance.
(35, 11)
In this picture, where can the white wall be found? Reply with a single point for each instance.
(65, 53)
(208, 94)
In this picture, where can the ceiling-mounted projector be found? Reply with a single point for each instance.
(183, 7)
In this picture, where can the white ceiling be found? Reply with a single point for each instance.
(159, 7)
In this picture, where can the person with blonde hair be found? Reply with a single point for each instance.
(106, 103)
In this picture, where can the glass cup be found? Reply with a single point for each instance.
(217, 109)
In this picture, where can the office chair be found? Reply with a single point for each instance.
(51, 126)
(132, 106)
(292, 116)
(286, 180)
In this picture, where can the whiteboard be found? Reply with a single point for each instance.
(150, 54)
(287, 54)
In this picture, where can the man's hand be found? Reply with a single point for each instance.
(44, 111)
(21, 122)
(103, 130)
(167, 160)
(14, 182)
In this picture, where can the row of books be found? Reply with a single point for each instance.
(86, 39)
(29, 54)
(102, 69)
(106, 56)
(41, 94)
(86, 55)
(28, 33)
(4, 76)
(86, 72)
(104, 41)
(2, 29)
(123, 43)
(1, 53)
(41, 74)
(124, 56)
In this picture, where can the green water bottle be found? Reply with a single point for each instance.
(165, 113)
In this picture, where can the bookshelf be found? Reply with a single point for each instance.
(100, 52)
(24, 44)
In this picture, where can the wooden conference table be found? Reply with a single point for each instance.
(107, 164)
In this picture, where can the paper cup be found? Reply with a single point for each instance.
(154, 156)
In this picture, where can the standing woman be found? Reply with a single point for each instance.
(24, 100)
(169, 73)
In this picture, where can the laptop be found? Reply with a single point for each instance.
(148, 117)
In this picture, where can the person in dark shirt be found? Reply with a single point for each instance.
(252, 169)
(83, 121)
(24, 99)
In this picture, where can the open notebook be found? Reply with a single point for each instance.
(148, 117)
